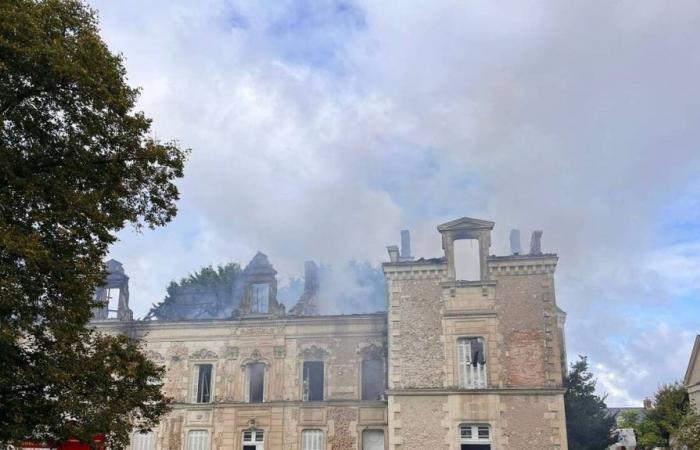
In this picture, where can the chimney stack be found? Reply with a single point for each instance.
(310, 276)
(515, 242)
(405, 244)
(393, 253)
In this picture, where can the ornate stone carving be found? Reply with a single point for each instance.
(204, 354)
(280, 352)
(255, 356)
(155, 356)
(231, 352)
(372, 351)
(177, 352)
(313, 353)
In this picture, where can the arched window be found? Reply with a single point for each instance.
(198, 440)
(255, 382)
(312, 440)
(143, 441)
(202, 383)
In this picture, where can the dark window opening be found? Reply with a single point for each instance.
(313, 381)
(476, 447)
(372, 379)
(256, 382)
(204, 383)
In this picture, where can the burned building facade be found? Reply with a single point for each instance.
(451, 364)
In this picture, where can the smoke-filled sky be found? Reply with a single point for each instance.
(319, 129)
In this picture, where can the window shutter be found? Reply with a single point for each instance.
(195, 383)
(311, 439)
(143, 441)
(198, 440)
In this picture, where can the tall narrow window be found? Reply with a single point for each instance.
(198, 440)
(256, 382)
(313, 381)
(373, 440)
(372, 379)
(253, 440)
(475, 437)
(472, 363)
(201, 383)
(312, 440)
(143, 441)
(259, 296)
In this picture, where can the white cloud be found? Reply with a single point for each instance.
(320, 132)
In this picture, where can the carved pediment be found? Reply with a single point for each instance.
(204, 354)
(154, 356)
(255, 357)
(313, 353)
(466, 223)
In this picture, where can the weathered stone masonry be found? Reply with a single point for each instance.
(467, 364)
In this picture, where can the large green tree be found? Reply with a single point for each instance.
(588, 424)
(670, 416)
(77, 164)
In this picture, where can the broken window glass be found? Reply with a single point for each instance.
(313, 381)
(372, 379)
(201, 383)
(472, 363)
(259, 297)
(256, 382)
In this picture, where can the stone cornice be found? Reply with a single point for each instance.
(276, 403)
(485, 313)
(522, 265)
(415, 270)
(146, 325)
(487, 391)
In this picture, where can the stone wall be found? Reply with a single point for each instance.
(533, 422)
(527, 322)
(416, 352)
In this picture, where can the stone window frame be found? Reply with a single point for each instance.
(313, 353)
(194, 369)
(371, 352)
(323, 431)
(254, 429)
(256, 357)
(361, 430)
(458, 367)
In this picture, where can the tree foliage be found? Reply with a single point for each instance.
(588, 424)
(76, 165)
(211, 289)
(670, 417)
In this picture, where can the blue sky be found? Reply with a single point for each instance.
(320, 129)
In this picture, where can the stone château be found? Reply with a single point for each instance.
(451, 364)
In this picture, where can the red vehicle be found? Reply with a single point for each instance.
(70, 444)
